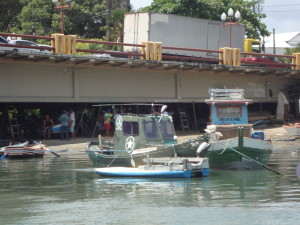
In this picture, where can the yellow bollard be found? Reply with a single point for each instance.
(228, 56)
(159, 50)
(221, 56)
(70, 46)
(143, 51)
(148, 50)
(63, 44)
(236, 57)
(152, 50)
(297, 61)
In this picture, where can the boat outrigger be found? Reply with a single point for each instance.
(234, 144)
(138, 136)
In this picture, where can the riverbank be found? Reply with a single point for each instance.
(78, 144)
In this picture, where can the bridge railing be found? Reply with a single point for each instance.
(66, 44)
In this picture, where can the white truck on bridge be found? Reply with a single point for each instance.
(181, 31)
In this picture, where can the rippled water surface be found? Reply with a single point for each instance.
(64, 190)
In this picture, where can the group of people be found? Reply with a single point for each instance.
(107, 121)
(67, 121)
(105, 124)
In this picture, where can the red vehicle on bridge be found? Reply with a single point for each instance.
(265, 61)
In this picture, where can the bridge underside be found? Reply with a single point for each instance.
(77, 79)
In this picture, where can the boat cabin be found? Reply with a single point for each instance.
(142, 131)
(228, 106)
(228, 111)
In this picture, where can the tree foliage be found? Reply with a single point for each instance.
(212, 9)
(9, 9)
(35, 18)
(38, 17)
(116, 25)
(290, 51)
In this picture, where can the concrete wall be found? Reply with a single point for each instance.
(61, 82)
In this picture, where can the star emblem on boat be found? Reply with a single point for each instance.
(119, 122)
(129, 144)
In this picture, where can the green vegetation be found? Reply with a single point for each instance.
(290, 51)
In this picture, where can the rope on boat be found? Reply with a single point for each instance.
(188, 142)
(112, 161)
(224, 148)
(175, 153)
(266, 167)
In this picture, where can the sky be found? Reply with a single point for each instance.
(283, 16)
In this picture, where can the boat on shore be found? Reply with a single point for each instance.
(139, 136)
(165, 167)
(292, 129)
(24, 150)
(233, 142)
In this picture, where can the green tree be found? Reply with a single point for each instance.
(9, 9)
(39, 17)
(290, 51)
(85, 19)
(116, 25)
(212, 9)
(90, 46)
(35, 18)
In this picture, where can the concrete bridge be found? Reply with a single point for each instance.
(44, 78)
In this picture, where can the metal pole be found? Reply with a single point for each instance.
(274, 45)
(230, 34)
(195, 117)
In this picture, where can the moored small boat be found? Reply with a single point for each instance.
(165, 168)
(136, 137)
(234, 144)
(25, 150)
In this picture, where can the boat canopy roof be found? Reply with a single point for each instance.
(236, 96)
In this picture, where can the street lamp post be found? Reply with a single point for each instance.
(231, 15)
(60, 4)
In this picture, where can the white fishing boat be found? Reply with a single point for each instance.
(164, 167)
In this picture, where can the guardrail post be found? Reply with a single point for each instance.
(230, 56)
(236, 57)
(227, 56)
(63, 44)
(70, 47)
(157, 51)
(221, 56)
(58, 43)
(296, 61)
(143, 51)
(152, 50)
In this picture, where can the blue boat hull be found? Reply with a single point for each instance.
(132, 172)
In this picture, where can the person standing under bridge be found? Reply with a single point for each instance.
(64, 122)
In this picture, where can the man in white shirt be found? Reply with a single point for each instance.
(72, 123)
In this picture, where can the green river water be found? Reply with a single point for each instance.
(64, 190)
